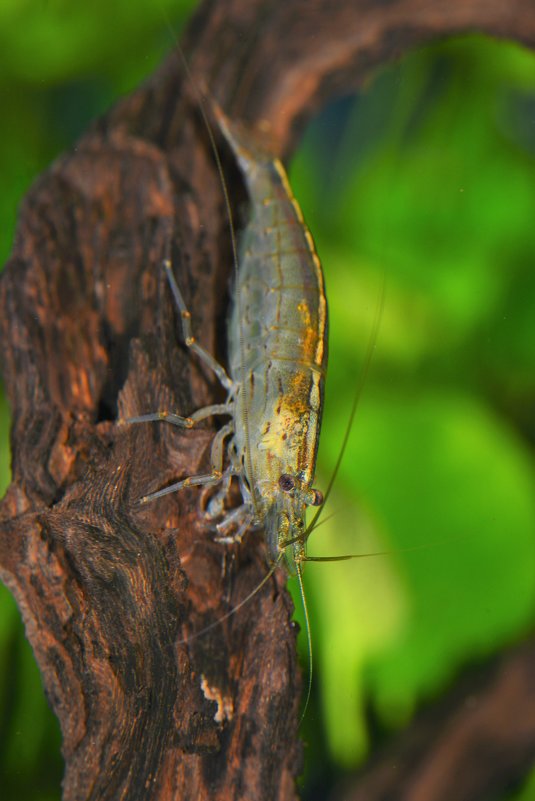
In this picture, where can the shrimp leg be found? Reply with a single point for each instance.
(242, 517)
(183, 422)
(217, 475)
(207, 358)
(206, 480)
(187, 333)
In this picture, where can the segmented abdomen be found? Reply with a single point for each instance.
(278, 351)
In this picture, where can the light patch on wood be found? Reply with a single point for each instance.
(225, 705)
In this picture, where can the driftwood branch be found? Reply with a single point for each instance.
(475, 744)
(109, 590)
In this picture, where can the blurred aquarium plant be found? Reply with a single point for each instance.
(428, 176)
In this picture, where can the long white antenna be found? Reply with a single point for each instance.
(234, 609)
(309, 640)
(361, 381)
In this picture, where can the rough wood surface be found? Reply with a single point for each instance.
(109, 590)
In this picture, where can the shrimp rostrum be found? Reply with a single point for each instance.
(277, 352)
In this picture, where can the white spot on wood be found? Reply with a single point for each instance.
(225, 704)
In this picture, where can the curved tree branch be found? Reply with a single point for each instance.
(110, 591)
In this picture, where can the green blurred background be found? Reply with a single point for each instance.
(424, 182)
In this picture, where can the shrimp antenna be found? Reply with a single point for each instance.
(424, 546)
(309, 639)
(236, 608)
(346, 556)
(361, 381)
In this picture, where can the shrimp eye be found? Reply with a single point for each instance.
(286, 482)
(317, 499)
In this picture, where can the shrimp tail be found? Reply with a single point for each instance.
(248, 147)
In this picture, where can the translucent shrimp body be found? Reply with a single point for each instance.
(277, 357)
(277, 352)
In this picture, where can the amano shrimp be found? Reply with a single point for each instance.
(277, 352)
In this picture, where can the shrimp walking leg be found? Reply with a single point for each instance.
(205, 480)
(189, 339)
(218, 446)
(217, 475)
(216, 506)
(240, 519)
(216, 454)
(182, 422)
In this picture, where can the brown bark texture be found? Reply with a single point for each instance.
(110, 591)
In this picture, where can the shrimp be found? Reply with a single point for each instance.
(277, 352)
(277, 349)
